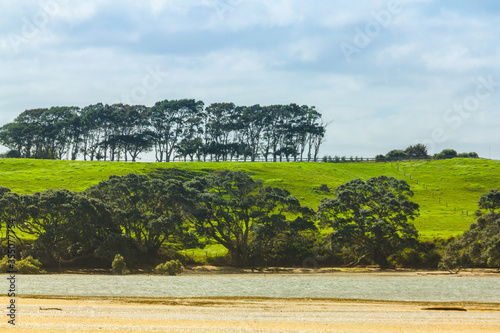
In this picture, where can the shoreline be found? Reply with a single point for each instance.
(493, 306)
(337, 271)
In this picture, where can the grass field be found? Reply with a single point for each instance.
(447, 190)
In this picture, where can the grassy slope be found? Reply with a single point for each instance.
(442, 188)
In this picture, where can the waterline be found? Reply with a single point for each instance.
(395, 288)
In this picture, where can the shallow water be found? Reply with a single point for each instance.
(400, 288)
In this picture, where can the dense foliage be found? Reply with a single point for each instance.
(490, 200)
(147, 211)
(147, 219)
(239, 213)
(416, 152)
(28, 265)
(480, 245)
(176, 129)
(371, 219)
(140, 217)
(67, 225)
(419, 152)
(119, 266)
(171, 267)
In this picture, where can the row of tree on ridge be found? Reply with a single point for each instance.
(173, 129)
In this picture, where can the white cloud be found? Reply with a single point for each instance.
(457, 58)
(394, 92)
(71, 11)
(307, 49)
(397, 52)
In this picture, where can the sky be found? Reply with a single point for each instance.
(385, 74)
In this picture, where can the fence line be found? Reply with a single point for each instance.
(321, 160)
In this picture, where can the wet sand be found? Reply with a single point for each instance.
(246, 314)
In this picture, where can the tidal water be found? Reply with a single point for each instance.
(401, 288)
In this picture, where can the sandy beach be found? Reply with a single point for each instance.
(237, 314)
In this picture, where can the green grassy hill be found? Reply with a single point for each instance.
(446, 190)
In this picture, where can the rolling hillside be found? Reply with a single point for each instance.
(447, 190)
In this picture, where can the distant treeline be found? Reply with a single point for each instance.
(416, 152)
(175, 129)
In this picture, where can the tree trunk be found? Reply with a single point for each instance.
(380, 258)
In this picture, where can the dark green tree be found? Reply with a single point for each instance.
(271, 133)
(230, 207)
(41, 133)
(253, 119)
(58, 131)
(480, 245)
(371, 219)
(279, 240)
(171, 121)
(68, 225)
(490, 200)
(468, 155)
(12, 207)
(477, 247)
(220, 124)
(446, 154)
(396, 155)
(92, 126)
(176, 129)
(14, 136)
(149, 211)
(418, 151)
(190, 147)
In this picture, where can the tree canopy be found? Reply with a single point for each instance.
(142, 217)
(68, 225)
(480, 245)
(490, 200)
(371, 219)
(419, 152)
(149, 211)
(231, 207)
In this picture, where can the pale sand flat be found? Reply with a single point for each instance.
(236, 314)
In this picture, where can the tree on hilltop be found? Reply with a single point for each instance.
(418, 151)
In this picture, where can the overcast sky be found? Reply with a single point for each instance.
(387, 74)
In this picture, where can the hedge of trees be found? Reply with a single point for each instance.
(137, 216)
(173, 129)
(416, 152)
(419, 152)
(141, 217)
